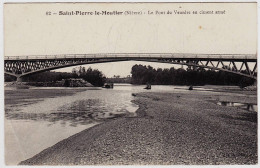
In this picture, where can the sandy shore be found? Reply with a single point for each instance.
(171, 128)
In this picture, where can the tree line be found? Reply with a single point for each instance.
(190, 76)
(93, 76)
(145, 74)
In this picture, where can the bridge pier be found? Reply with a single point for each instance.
(20, 79)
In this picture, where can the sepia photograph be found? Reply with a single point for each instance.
(168, 83)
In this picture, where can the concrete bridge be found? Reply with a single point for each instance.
(241, 64)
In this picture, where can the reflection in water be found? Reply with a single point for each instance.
(83, 108)
(245, 106)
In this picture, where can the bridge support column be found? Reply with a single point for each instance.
(20, 79)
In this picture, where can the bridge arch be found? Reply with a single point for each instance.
(43, 65)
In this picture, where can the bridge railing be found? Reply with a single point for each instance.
(135, 55)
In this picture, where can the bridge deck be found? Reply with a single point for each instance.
(138, 55)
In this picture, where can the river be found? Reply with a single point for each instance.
(34, 126)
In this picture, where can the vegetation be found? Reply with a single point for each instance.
(118, 79)
(93, 76)
(147, 74)
(9, 78)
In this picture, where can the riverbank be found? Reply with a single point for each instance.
(71, 82)
(170, 128)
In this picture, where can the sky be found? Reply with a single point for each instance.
(29, 31)
(123, 69)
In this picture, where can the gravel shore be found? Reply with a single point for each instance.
(170, 129)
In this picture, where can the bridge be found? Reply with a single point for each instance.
(241, 64)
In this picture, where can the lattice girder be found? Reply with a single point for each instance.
(26, 67)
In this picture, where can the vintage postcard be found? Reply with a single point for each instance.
(130, 84)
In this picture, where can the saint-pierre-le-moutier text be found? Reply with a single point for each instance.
(97, 13)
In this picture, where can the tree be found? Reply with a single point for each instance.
(191, 76)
